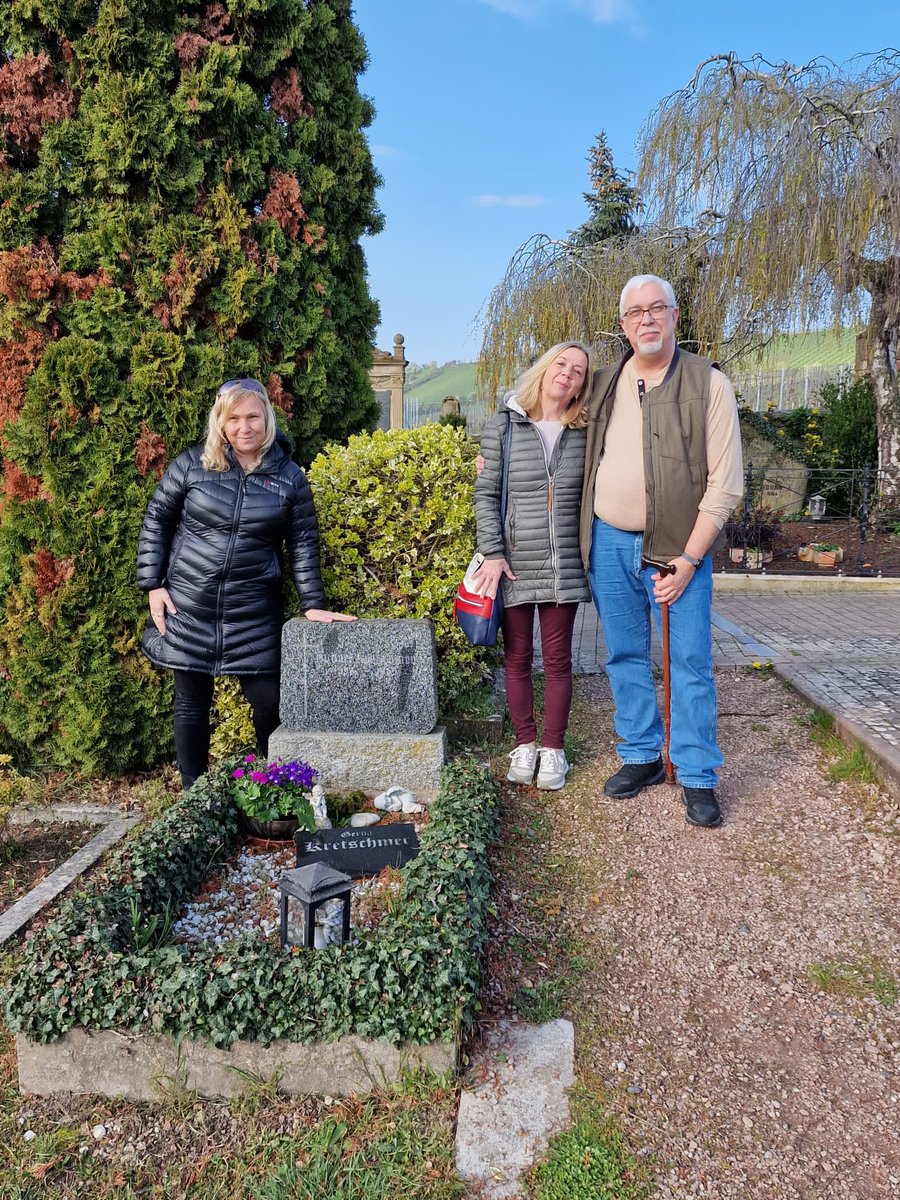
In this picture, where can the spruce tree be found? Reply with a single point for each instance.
(183, 187)
(612, 201)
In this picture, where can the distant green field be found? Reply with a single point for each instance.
(796, 350)
(456, 380)
(825, 349)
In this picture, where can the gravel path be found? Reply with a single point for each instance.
(703, 1018)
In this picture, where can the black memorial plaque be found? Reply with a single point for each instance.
(358, 852)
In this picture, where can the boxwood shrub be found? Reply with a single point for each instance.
(99, 963)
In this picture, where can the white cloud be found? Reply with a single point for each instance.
(509, 201)
(602, 12)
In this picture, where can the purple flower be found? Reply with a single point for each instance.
(238, 774)
(258, 776)
(250, 758)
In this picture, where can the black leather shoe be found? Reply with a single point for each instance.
(633, 778)
(701, 807)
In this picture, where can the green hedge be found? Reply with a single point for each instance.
(416, 978)
(397, 526)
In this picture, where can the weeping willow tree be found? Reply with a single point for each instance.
(790, 177)
(554, 290)
(772, 200)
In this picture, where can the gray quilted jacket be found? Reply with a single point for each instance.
(540, 540)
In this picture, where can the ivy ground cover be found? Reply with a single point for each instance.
(104, 961)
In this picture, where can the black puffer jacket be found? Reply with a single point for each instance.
(213, 538)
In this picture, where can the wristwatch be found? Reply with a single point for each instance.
(695, 562)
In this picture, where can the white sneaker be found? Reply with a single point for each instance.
(523, 760)
(553, 771)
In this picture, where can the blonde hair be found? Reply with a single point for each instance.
(229, 395)
(527, 389)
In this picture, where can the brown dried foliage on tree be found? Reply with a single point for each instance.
(150, 453)
(19, 486)
(278, 394)
(282, 204)
(32, 273)
(288, 101)
(190, 48)
(18, 358)
(50, 573)
(30, 99)
(214, 23)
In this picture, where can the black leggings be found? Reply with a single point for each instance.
(193, 700)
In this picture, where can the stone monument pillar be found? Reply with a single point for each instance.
(387, 375)
(359, 703)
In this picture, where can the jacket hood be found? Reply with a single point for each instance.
(511, 404)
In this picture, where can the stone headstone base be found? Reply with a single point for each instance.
(369, 761)
(138, 1067)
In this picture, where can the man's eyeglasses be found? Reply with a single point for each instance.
(249, 385)
(636, 314)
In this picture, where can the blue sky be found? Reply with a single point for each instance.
(486, 110)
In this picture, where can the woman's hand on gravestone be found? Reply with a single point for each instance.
(326, 617)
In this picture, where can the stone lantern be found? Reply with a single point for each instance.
(307, 889)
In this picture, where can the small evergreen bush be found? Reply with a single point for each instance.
(397, 526)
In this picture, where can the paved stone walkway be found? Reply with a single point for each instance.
(840, 649)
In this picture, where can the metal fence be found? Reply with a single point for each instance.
(801, 521)
(415, 413)
(785, 389)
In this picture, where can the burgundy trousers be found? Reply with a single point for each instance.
(557, 622)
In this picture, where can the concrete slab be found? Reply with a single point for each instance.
(139, 1067)
(370, 761)
(505, 1124)
(24, 910)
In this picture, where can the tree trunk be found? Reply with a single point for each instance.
(884, 337)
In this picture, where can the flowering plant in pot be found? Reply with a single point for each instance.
(274, 797)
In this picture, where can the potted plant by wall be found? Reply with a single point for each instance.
(274, 797)
(823, 554)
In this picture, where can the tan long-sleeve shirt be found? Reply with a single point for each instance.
(619, 491)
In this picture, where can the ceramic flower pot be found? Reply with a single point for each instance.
(281, 830)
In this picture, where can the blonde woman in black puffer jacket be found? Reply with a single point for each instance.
(535, 555)
(209, 558)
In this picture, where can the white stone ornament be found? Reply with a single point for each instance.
(361, 820)
(319, 811)
(397, 799)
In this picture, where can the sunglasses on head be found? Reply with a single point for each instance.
(250, 385)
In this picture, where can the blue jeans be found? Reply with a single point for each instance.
(623, 594)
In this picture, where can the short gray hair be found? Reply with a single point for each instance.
(637, 281)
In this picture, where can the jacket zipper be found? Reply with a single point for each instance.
(554, 557)
(229, 554)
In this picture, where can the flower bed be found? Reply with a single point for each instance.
(105, 963)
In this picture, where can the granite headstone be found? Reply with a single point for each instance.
(368, 676)
(358, 852)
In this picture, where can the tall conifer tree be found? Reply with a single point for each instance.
(183, 187)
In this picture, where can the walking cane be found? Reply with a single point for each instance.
(667, 690)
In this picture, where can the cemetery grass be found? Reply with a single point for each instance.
(392, 1144)
(734, 991)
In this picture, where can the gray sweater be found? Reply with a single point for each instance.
(540, 539)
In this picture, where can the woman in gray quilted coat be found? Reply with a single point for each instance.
(535, 557)
(209, 558)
